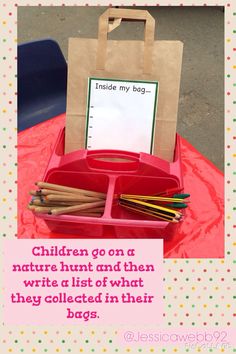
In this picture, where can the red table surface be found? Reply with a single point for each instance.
(200, 235)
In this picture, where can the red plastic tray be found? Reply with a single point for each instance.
(111, 172)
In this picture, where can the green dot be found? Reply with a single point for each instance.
(210, 279)
(228, 164)
(187, 297)
(4, 40)
(234, 13)
(187, 261)
(193, 305)
(211, 350)
(45, 350)
(4, 235)
(22, 350)
(39, 341)
(228, 252)
(210, 297)
(234, 120)
(216, 323)
(210, 261)
(163, 350)
(4, 58)
(169, 323)
(140, 350)
(234, 208)
(110, 341)
(92, 350)
(234, 173)
(4, 129)
(16, 341)
(216, 306)
(234, 102)
(234, 297)
(63, 341)
(187, 350)
(193, 323)
(87, 341)
(234, 31)
(234, 261)
(69, 350)
(187, 279)
(164, 297)
(234, 190)
(116, 350)
(4, 146)
(169, 305)
(228, 75)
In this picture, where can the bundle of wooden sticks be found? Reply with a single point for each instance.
(56, 199)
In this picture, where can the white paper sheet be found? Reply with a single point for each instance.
(121, 114)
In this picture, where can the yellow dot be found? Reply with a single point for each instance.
(10, 84)
(234, 155)
(4, 110)
(45, 332)
(228, 306)
(151, 350)
(199, 261)
(15, 217)
(15, 40)
(57, 350)
(222, 261)
(4, 22)
(175, 261)
(198, 349)
(228, 217)
(15, 129)
(10, 350)
(205, 305)
(22, 332)
(228, 40)
(69, 332)
(92, 332)
(128, 350)
(234, 67)
(175, 350)
(81, 350)
(181, 305)
(234, 243)
(4, 199)
(216, 288)
(10, 173)
(222, 350)
(104, 350)
(33, 350)
(193, 288)
(169, 288)
(228, 129)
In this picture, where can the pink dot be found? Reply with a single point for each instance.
(193, 270)
(10, 14)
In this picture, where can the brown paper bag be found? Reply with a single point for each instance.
(129, 60)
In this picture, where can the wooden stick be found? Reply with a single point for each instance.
(85, 206)
(38, 202)
(72, 198)
(70, 189)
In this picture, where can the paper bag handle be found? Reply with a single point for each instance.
(118, 15)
